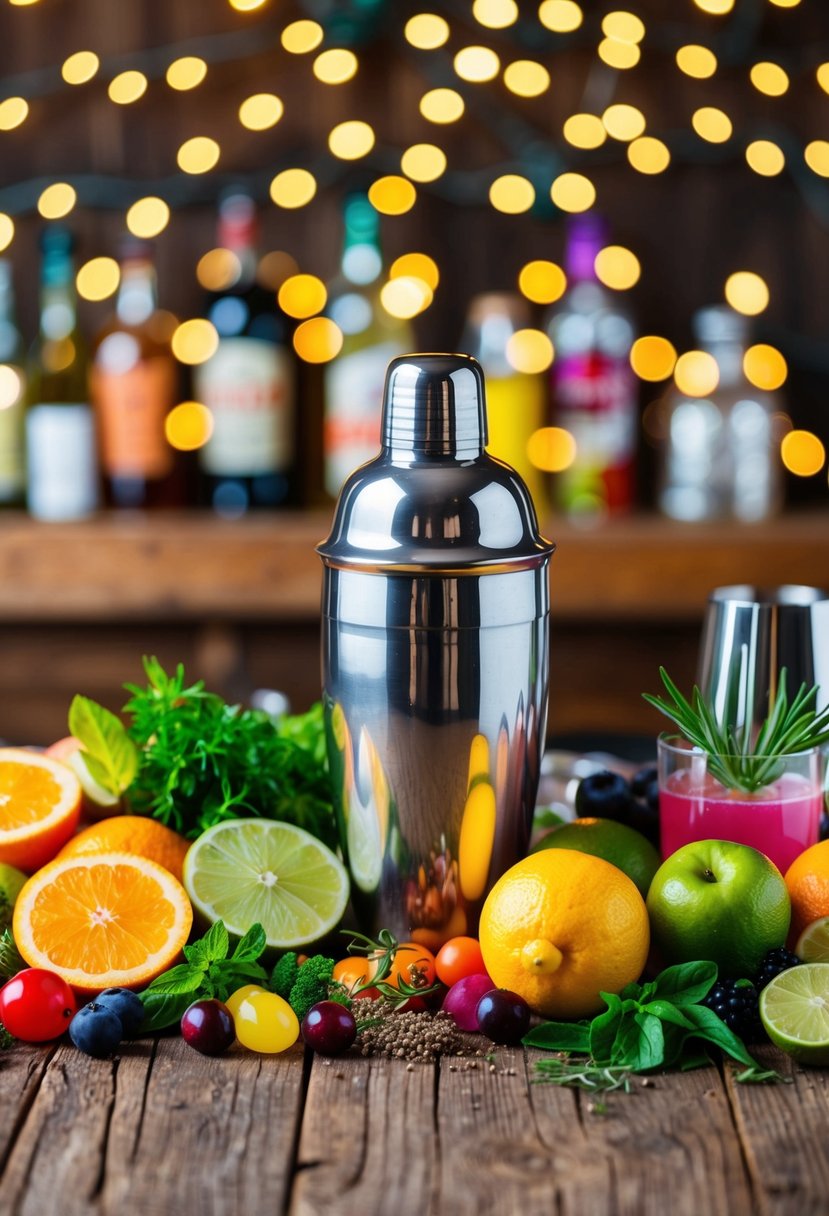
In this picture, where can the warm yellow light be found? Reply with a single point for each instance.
(785, 3)
(802, 453)
(351, 140)
(218, 269)
(6, 230)
(623, 122)
(148, 216)
(623, 26)
(405, 296)
(552, 449)
(649, 155)
(423, 162)
(188, 426)
(526, 78)
(716, 7)
(495, 14)
(392, 195)
(560, 16)
(127, 87)
(584, 131)
(617, 267)
(335, 66)
(696, 373)
(416, 266)
(765, 157)
(746, 292)
(186, 73)
(274, 268)
(426, 31)
(573, 192)
(98, 278)
(318, 340)
(477, 64)
(542, 282)
(194, 341)
(823, 76)
(512, 194)
(712, 124)
(56, 201)
(529, 350)
(22, 3)
(261, 111)
(11, 386)
(769, 78)
(198, 155)
(302, 36)
(13, 111)
(293, 188)
(441, 105)
(302, 296)
(653, 358)
(696, 61)
(618, 54)
(765, 367)
(246, 6)
(80, 67)
(816, 155)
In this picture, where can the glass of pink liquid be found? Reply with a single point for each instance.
(781, 819)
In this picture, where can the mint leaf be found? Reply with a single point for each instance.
(216, 942)
(687, 983)
(163, 1009)
(183, 978)
(111, 755)
(251, 945)
(559, 1036)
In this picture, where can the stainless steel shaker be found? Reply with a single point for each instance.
(434, 650)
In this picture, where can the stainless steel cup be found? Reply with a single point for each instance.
(434, 652)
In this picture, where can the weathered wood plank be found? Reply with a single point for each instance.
(21, 1072)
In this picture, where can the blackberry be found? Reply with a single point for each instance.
(736, 1002)
(775, 961)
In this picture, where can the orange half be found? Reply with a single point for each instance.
(114, 920)
(40, 803)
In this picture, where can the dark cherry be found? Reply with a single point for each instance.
(208, 1027)
(329, 1028)
(503, 1016)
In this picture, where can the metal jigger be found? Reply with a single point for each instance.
(434, 650)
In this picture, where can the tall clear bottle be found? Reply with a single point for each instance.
(595, 395)
(12, 397)
(354, 381)
(249, 384)
(62, 467)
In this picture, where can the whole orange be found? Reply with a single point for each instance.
(808, 881)
(131, 834)
(560, 927)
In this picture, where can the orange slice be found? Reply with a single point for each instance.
(114, 920)
(40, 803)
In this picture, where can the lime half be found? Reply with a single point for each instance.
(248, 870)
(813, 943)
(794, 1008)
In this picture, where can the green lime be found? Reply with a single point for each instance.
(794, 1008)
(248, 870)
(623, 847)
(11, 884)
(813, 943)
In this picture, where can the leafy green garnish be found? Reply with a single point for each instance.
(109, 752)
(11, 960)
(735, 757)
(6, 1040)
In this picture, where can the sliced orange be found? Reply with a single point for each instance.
(131, 834)
(40, 803)
(114, 920)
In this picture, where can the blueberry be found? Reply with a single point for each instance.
(96, 1030)
(605, 795)
(641, 779)
(824, 825)
(645, 819)
(127, 1006)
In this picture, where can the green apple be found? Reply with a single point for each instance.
(718, 900)
(11, 884)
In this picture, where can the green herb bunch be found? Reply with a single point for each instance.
(735, 758)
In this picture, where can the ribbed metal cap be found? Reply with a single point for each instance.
(434, 406)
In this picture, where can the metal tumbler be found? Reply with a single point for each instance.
(434, 652)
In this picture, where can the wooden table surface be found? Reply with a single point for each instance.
(161, 1129)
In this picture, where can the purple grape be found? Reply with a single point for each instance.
(329, 1028)
(462, 1000)
(208, 1027)
(503, 1016)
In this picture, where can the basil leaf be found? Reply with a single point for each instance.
(651, 1044)
(604, 1028)
(674, 1049)
(668, 1012)
(251, 945)
(111, 755)
(559, 1036)
(178, 980)
(712, 1029)
(687, 983)
(162, 1009)
(696, 1059)
(631, 992)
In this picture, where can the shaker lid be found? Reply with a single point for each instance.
(433, 500)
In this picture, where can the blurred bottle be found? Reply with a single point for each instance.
(595, 395)
(516, 402)
(249, 384)
(12, 395)
(355, 380)
(62, 480)
(134, 385)
(720, 458)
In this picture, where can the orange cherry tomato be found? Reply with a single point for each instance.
(410, 955)
(458, 958)
(353, 971)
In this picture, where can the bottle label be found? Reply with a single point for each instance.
(249, 389)
(62, 460)
(12, 452)
(131, 407)
(596, 401)
(354, 387)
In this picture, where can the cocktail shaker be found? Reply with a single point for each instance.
(434, 652)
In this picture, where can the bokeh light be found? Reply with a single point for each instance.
(293, 188)
(529, 351)
(512, 194)
(573, 192)
(195, 341)
(542, 282)
(617, 267)
(186, 73)
(6, 231)
(769, 78)
(423, 162)
(696, 61)
(405, 296)
(816, 155)
(148, 216)
(623, 122)
(127, 87)
(747, 292)
(822, 74)
(802, 453)
(526, 78)
(351, 139)
(198, 155)
(273, 269)
(261, 111)
(560, 16)
(476, 64)
(188, 426)
(302, 296)
(552, 449)
(335, 66)
(80, 67)
(649, 155)
(442, 105)
(11, 386)
(56, 201)
(218, 269)
(623, 26)
(653, 358)
(246, 6)
(13, 112)
(302, 36)
(620, 55)
(98, 278)
(715, 7)
(416, 266)
(765, 157)
(584, 131)
(765, 367)
(426, 31)
(495, 14)
(318, 340)
(712, 124)
(696, 373)
(392, 194)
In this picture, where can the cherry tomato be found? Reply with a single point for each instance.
(353, 971)
(37, 1005)
(407, 957)
(458, 958)
(264, 1022)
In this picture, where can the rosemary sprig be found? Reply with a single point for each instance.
(736, 760)
(382, 952)
(582, 1073)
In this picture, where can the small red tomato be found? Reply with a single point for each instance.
(458, 958)
(37, 1005)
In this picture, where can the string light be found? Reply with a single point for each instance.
(648, 155)
(765, 367)
(476, 64)
(186, 73)
(512, 194)
(198, 155)
(822, 74)
(147, 217)
(350, 140)
(769, 78)
(542, 282)
(127, 87)
(623, 26)
(560, 16)
(623, 122)
(747, 292)
(442, 105)
(416, 266)
(302, 296)
(426, 31)
(293, 188)
(195, 341)
(573, 192)
(301, 36)
(584, 131)
(717, 7)
(318, 340)
(261, 111)
(529, 351)
(526, 78)
(188, 426)
(335, 66)
(98, 279)
(423, 162)
(218, 269)
(816, 155)
(696, 373)
(802, 453)
(765, 157)
(80, 67)
(392, 195)
(653, 358)
(616, 54)
(495, 14)
(6, 231)
(696, 61)
(712, 124)
(56, 201)
(405, 296)
(551, 449)
(617, 267)
(13, 111)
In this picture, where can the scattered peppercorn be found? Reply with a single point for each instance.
(411, 1036)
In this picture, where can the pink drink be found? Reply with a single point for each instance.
(781, 820)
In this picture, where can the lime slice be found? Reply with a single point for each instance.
(813, 943)
(248, 870)
(794, 1008)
